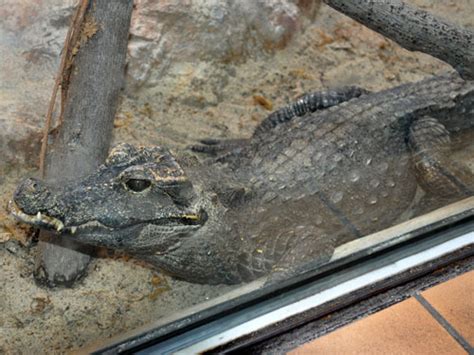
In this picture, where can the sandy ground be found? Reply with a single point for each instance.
(193, 101)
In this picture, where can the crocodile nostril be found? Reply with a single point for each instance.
(31, 186)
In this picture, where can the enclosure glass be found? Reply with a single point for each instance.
(244, 154)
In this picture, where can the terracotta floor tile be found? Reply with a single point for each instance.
(454, 300)
(405, 328)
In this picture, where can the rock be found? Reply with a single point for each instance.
(31, 38)
(167, 32)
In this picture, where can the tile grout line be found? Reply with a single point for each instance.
(444, 323)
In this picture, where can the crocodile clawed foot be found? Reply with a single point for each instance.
(215, 147)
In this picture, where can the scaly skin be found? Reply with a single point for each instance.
(290, 194)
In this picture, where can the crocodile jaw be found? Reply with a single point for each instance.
(39, 219)
(190, 220)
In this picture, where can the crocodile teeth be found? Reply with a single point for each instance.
(36, 219)
(59, 225)
(73, 230)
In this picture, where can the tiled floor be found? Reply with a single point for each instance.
(440, 320)
(454, 300)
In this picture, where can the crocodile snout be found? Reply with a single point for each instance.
(33, 203)
(32, 196)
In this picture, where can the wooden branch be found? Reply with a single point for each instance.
(414, 29)
(71, 37)
(91, 79)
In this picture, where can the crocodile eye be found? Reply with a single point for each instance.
(137, 185)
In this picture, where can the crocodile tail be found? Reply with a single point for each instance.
(308, 103)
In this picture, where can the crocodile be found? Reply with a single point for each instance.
(331, 167)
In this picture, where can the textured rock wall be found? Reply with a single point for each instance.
(31, 37)
(165, 32)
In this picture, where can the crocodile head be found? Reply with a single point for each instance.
(135, 190)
